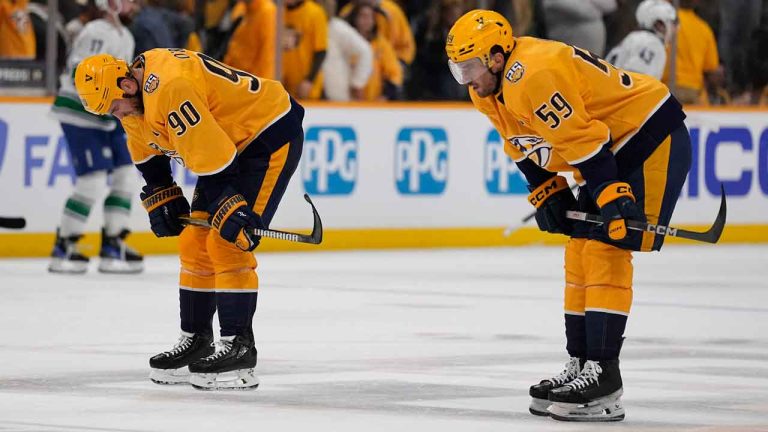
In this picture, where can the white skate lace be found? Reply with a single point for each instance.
(222, 348)
(570, 372)
(183, 343)
(590, 374)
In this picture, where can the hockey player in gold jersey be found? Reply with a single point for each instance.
(242, 136)
(621, 134)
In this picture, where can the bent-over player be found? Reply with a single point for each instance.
(622, 135)
(242, 135)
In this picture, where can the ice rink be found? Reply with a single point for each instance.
(397, 341)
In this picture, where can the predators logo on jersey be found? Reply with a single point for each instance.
(534, 148)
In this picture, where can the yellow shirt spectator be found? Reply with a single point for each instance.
(696, 52)
(17, 37)
(305, 36)
(386, 68)
(392, 25)
(252, 47)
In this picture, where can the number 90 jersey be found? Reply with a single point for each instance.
(200, 112)
(559, 105)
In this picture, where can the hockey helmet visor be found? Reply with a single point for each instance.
(467, 71)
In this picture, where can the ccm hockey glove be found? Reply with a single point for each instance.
(617, 203)
(233, 218)
(165, 204)
(552, 199)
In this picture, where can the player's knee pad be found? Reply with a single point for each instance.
(235, 269)
(574, 276)
(123, 179)
(608, 277)
(91, 185)
(196, 267)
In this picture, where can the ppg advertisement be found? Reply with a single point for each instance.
(401, 167)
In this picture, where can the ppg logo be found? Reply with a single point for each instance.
(421, 161)
(329, 163)
(501, 174)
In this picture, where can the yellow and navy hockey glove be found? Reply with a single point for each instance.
(617, 203)
(233, 218)
(165, 204)
(552, 199)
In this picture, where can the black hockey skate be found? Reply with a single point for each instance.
(170, 367)
(230, 367)
(118, 257)
(66, 258)
(540, 392)
(594, 396)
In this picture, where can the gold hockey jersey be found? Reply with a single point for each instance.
(558, 104)
(200, 112)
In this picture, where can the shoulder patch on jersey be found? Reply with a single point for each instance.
(515, 73)
(533, 147)
(151, 83)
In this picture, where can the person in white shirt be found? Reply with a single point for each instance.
(97, 146)
(348, 59)
(644, 50)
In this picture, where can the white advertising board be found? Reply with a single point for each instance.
(402, 167)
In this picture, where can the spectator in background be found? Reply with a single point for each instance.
(738, 21)
(38, 14)
(392, 24)
(150, 28)
(645, 50)
(87, 13)
(17, 37)
(430, 79)
(696, 62)
(387, 78)
(252, 46)
(304, 45)
(349, 60)
(578, 22)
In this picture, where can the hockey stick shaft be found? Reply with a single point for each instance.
(13, 222)
(315, 238)
(712, 235)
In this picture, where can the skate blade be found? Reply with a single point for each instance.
(605, 409)
(243, 379)
(169, 376)
(539, 407)
(67, 267)
(116, 266)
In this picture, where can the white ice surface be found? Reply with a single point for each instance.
(388, 341)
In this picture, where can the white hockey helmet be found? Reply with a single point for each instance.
(106, 7)
(649, 12)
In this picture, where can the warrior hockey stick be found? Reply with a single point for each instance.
(12, 222)
(315, 238)
(712, 235)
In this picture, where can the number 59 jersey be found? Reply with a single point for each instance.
(200, 112)
(559, 105)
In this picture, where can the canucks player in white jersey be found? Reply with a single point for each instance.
(97, 147)
(644, 50)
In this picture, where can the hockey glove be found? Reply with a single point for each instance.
(233, 218)
(552, 199)
(165, 204)
(617, 203)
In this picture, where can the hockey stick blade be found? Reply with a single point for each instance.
(712, 235)
(13, 222)
(315, 238)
